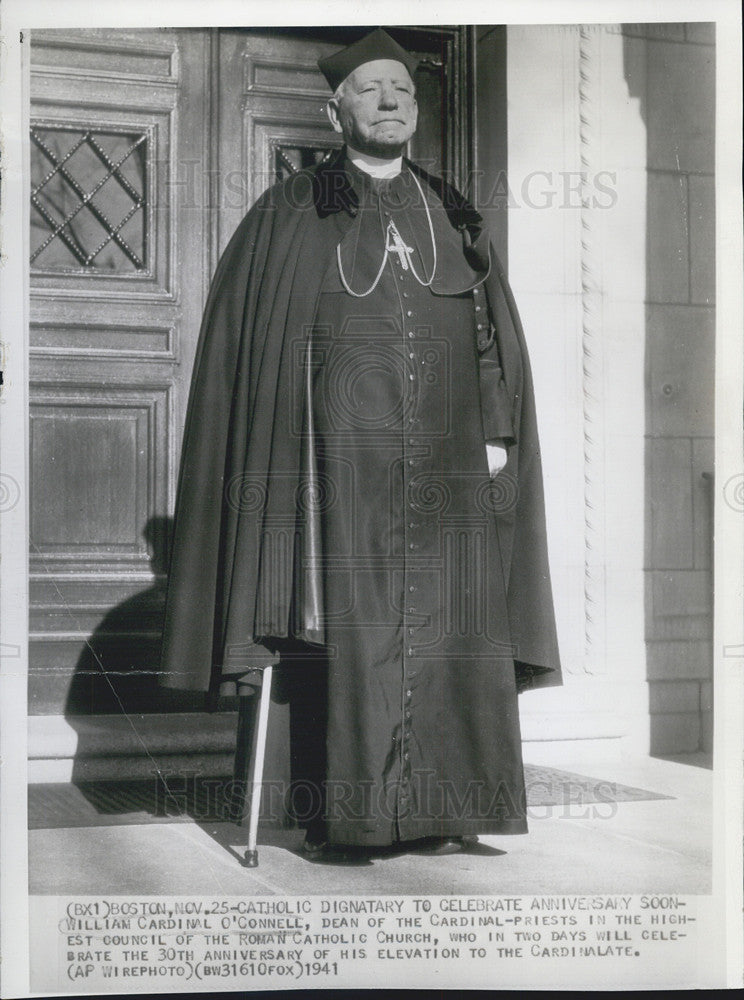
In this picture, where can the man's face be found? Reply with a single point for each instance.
(377, 110)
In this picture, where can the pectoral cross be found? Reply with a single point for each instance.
(394, 244)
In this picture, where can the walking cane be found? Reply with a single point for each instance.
(257, 766)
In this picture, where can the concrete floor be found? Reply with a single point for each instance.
(661, 845)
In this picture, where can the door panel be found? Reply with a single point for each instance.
(147, 149)
(116, 292)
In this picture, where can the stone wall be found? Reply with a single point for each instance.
(672, 69)
(617, 295)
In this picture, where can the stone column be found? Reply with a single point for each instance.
(577, 263)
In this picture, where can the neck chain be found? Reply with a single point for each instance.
(394, 244)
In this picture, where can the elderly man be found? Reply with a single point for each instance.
(360, 495)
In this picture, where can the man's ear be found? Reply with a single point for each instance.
(333, 117)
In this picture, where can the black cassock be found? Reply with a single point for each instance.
(335, 508)
(422, 730)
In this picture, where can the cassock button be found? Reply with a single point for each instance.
(409, 693)
(410, 333)
(411, 590)
(410, 653)
(411, 377)
(407, 713)
(411, 354)
(476, 291)
(477, 309)
(411, 631)
(411, 461)
(478, 326)
(409, 313)
(406, 756)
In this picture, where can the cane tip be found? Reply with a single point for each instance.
(250, 859)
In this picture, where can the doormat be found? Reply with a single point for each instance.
(217, 800)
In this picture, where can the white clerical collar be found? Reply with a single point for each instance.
(373, 165)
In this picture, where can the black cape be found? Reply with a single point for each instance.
(242, 461)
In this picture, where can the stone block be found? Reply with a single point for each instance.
(702, 239)
(673, 696)
(669, 31)
(679, 660)
(678, 593)
(702, 501)
(706, 732)
(675, 732)
(668, 266)
(704, 32)
(681, 107)
(670, 504)
(681, 353)
(679, 627)
(706, 696)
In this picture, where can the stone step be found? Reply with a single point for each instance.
(100, 747)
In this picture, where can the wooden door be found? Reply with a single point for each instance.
(147, 148)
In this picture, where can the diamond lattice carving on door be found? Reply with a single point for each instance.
(88, 200)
